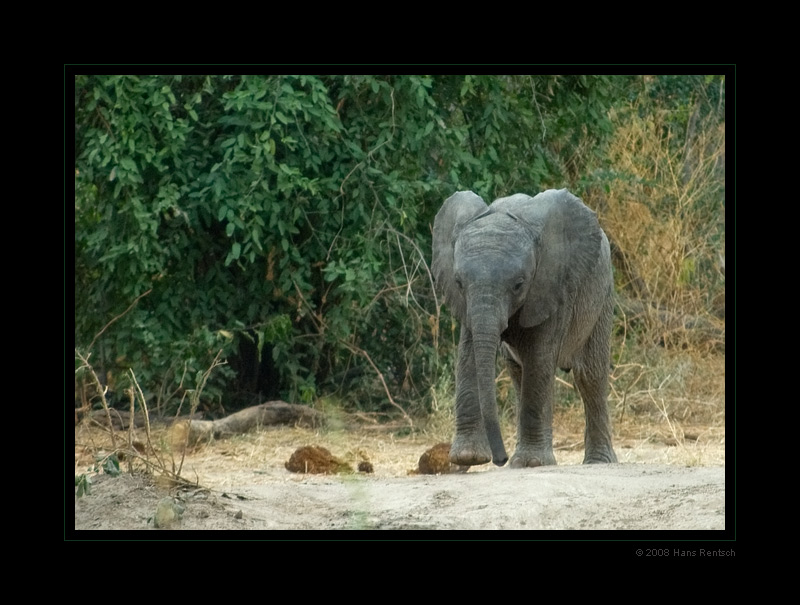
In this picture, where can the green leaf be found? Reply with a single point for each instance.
(128, 164)
(111, 465)
(83, 483)
(236, 250)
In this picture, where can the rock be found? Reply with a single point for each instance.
(168, 513)
(317, 460)
(436, 461)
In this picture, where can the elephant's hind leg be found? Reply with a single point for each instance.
(591, 378)
(514, 367)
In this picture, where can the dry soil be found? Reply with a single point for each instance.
(242, 484)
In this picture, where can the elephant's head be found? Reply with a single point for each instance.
(520, 255)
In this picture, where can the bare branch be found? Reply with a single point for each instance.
(146, 415)
(365, 355)
(117, 317)
(101, 390)
(373, 150)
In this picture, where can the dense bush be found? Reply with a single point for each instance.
(285, 220)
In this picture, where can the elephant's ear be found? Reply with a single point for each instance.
(566, 249)
(457, 210)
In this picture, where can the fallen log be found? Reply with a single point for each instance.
(192, 432)
(121, 419)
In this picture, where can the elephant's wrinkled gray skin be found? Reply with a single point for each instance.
(535, 274)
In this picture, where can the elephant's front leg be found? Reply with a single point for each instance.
(471, 445)
(535, 414)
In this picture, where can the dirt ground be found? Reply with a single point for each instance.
(660, 483)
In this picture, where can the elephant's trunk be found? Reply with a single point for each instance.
(485, 348)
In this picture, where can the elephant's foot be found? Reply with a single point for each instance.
(600, 455)
(528, 458)
(470, 451)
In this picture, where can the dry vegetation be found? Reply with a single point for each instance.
(669, 409)
(655, 422)
(667, 225)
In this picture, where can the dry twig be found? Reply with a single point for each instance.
(100, 389)
(105, 327)
(365, 355)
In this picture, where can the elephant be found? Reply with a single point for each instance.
(531, 277)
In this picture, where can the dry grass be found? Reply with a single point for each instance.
(665, 213)
(669, 410)
(677, 401)
(666, 428)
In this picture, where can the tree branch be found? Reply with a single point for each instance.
(356, 350)
(105, 327)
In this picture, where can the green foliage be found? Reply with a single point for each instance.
(83, 485)
(110, 465)
(293, 213)
(107, 464)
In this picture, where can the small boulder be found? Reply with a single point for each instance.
(168, 514)
(436, 461)
(317, 460)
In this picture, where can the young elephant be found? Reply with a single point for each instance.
(535, 274)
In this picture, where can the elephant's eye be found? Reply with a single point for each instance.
(459, 284)
(518, 286)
